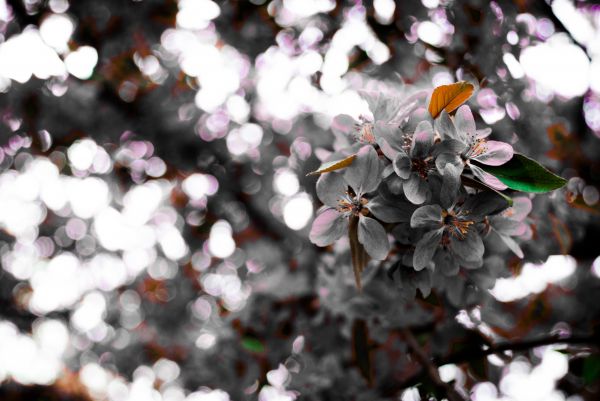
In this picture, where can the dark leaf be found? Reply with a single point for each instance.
(524, 174)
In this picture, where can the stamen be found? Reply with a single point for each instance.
(477, 147)
(457, 228)
(350, 205)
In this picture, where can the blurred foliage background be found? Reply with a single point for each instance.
(154, 203)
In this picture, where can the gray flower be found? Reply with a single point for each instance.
(463, 143)
(510, 223)
(413, 161)
(343, 196)
(452, 232)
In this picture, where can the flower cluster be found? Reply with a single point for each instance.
(418, 178)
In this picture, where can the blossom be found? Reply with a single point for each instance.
(413, 162)
(462, 143)
(453, 231)
(510, 223)
(388, 110)
(344, 198)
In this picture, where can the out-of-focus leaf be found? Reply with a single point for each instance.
(562, 234)
(591, 369)
(565, 145)
(449, 97)
(524, 174)
(334, 165)
(578, 203)
(252, 344)
(361, 350)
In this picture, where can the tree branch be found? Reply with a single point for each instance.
(430, 367)
(470, 354)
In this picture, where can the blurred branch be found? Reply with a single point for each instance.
(471, 354)
(430, 368)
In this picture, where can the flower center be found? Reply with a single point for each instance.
(455, 226)
(420, 166)
(352, 205)
(364, 130)
(477, 147)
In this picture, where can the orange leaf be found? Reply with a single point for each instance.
(333, 165)
(449, 97)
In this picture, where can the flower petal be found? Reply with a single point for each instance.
(397, 212)
(445, 263)
(469, 251)
(422, 140)
(391, 133)
(383, 107)
(416, 189)
(520, 208)
(449, 158)
(445, 127)
(343, 124)
(512, 245)
(450, 186)
(426, 248)
(450, 146)
(364, 173)
(496, 154)
(428, 215)
(487, 178)
(402, 165)
(373, 237)
(330, 188)
(508, 226)
(484, 203)
(387, 150)
(483, 133)
(464, 121)
(328, 227)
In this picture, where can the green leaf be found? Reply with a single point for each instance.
(333, 165)
(526, 175)
(591, 369)
(252, 344)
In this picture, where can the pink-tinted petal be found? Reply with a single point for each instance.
(464, 121)
(487, 178)
(496, 154)
(343, 124)
(508, 226)
(483, 133)
(520, 208)
(422, 140)
(328, 226)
